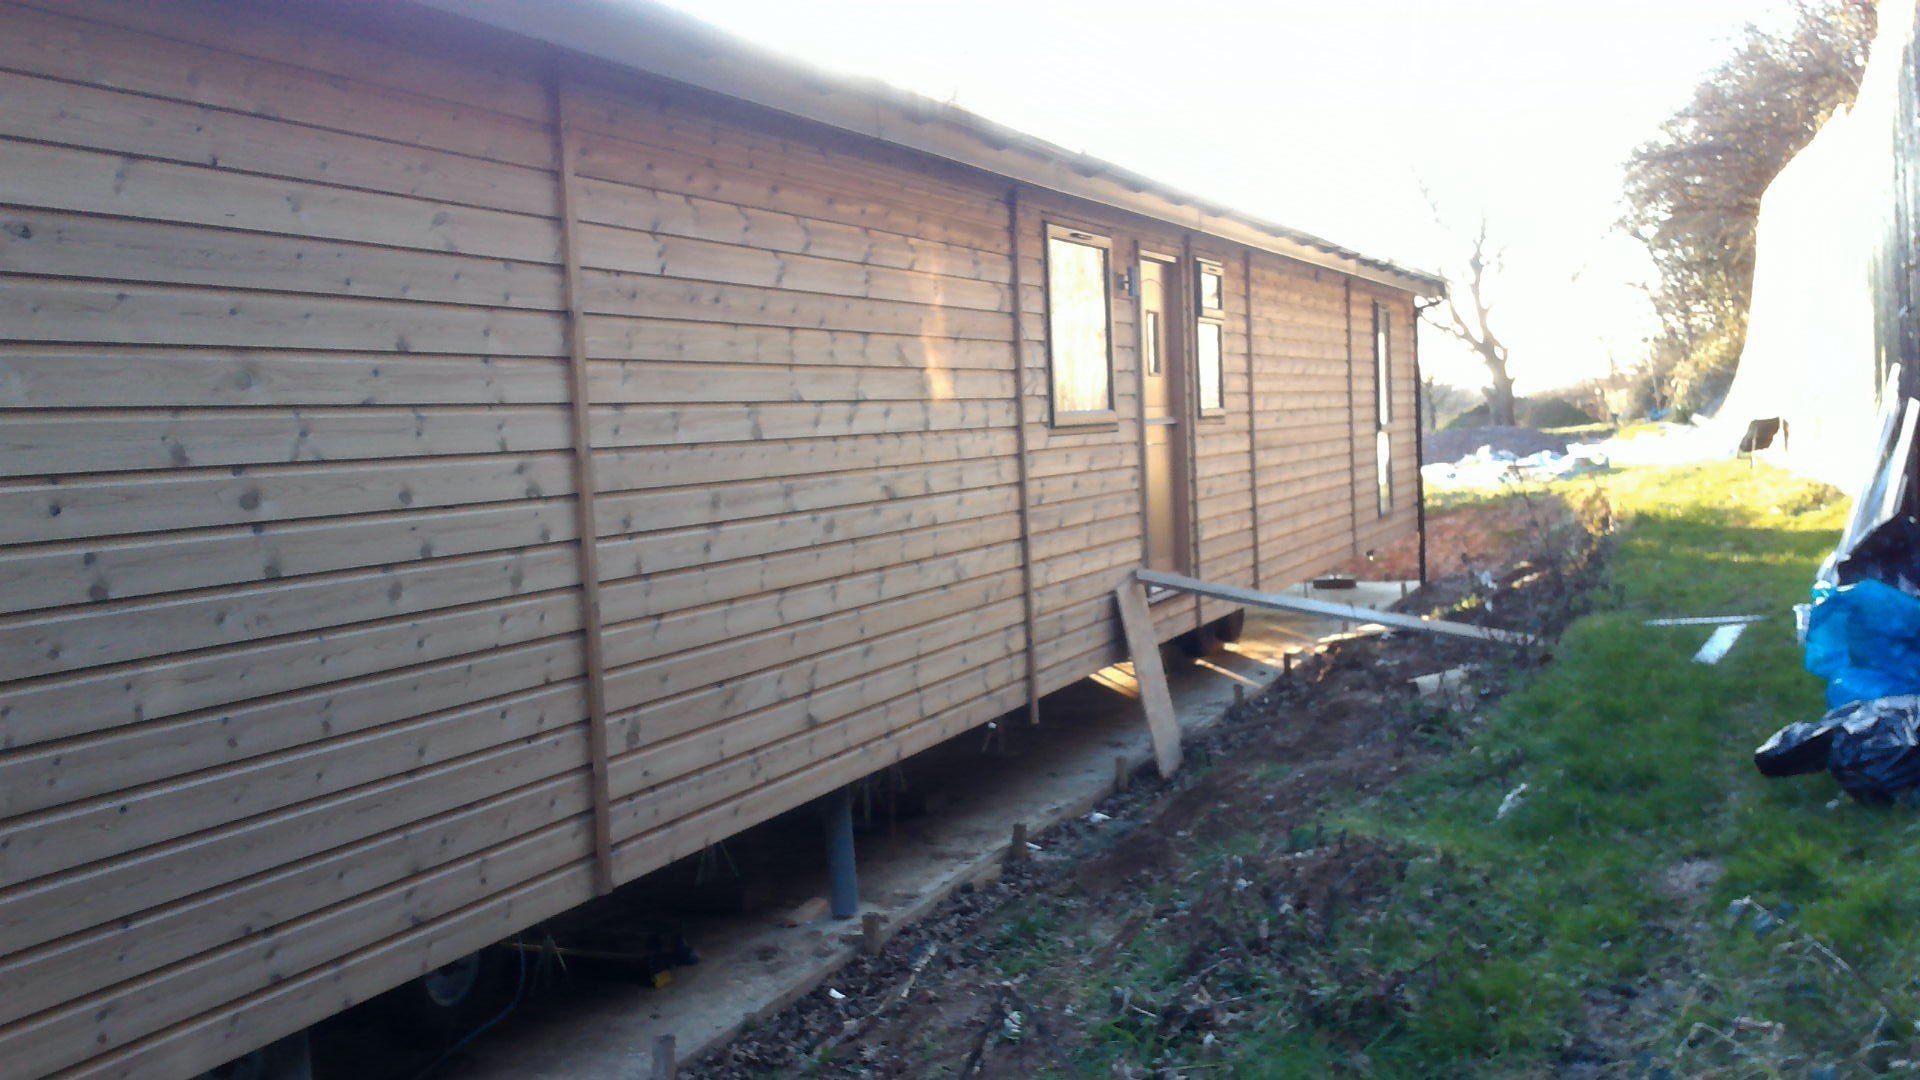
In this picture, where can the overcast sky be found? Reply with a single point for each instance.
(1329, 117)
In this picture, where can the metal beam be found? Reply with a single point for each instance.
(1282, 602)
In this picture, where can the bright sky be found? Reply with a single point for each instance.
(1329, 117)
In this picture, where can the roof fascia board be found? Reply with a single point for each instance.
(671, 45)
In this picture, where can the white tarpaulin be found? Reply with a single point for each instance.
(1810, 354)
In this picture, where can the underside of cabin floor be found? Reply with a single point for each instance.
(750, 963)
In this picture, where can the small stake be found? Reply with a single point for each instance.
(871, 940)
(1286, 665)
(1017, 851)
(1122, 776)
(664, 1065)
(1239, 694)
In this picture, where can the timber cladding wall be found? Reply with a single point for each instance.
(806, 465)
(1313, 400)
(295, 699)
(1376, 527)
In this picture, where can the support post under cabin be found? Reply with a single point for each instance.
(842, 877)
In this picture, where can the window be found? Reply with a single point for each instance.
(1151, 343)
(1383, 470)
(1079, 347)
(1212, 290)
(1211, 302)
(1212, 394)
(1382, 375)
(1382, 406)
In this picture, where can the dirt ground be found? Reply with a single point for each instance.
(1460, 540)
(991, 985)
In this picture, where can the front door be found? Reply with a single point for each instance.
(1163, 417)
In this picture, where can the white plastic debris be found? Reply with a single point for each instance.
(1718, 643)
(1097, 818)
(1511, 803)
(1487, 467)
(1452, 681)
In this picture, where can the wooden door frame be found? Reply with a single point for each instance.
(1180, 362)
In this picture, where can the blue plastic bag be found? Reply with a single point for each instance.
(1864, 640)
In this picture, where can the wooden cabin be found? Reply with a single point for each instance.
(328, 331)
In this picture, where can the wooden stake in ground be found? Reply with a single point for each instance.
(1155, 699)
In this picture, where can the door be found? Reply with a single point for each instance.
(1163, 419)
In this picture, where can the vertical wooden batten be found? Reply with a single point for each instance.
(584, 490)
(1419, 445)
(1020, 445)
(1353, 418)
(1187, 282)
(1140, 392)
(1253, 412)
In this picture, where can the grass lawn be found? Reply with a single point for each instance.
(1588, 931)
(1593, 920)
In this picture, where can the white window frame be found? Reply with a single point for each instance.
(1104, 244)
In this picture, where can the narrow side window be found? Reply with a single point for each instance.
(1079, 337)
(1210, 302)
(1212, 390)
(1382, 367)
(1383, 405)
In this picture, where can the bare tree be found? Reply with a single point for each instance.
(1468, 319)
(1441, 402)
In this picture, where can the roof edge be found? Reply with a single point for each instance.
(629, 33)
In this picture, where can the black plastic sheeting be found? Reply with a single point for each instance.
(1863, 634)
(1871, 747)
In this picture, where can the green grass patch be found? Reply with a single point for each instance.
(1590, 926)
(1605, 891)
(1592, 432)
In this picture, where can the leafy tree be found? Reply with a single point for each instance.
(1693, 192)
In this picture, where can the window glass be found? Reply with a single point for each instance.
(1382, 354)
(1382, 406)
(1383, 466)
(1212, 288)
(1212, 393)
(1077, 326)
(1151, 344)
